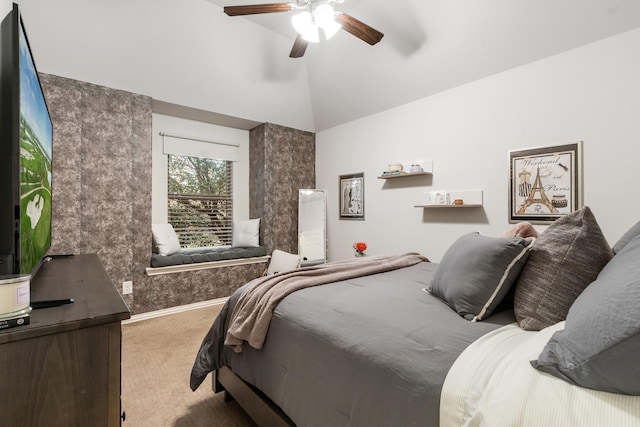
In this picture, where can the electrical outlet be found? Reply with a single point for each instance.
(127, 287)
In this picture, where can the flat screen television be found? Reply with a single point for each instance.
(26, 148)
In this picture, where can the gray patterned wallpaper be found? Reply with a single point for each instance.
(102, 191)
(101, 174)
(282, 161)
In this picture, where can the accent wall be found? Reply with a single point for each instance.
(102, 190)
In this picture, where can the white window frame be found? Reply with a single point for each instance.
(206, 132)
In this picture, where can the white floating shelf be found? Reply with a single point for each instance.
(427, 169)
(470, 199)
(403, 175)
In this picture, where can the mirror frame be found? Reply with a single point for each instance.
(310, 234)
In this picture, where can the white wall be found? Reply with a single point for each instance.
(590, 94)
(206, 131)
(214, 63)
(5, 7)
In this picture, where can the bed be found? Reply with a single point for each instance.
(430, 344)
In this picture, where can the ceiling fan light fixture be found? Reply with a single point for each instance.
(312, 16)
(301, 22)
(324, 15)
(312, 34)
(304, 25)
(331, 29)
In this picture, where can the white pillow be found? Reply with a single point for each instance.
(282, 261)
(246, 233)
(165, 240)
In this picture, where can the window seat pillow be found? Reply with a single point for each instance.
(165, 240)
(196, 255)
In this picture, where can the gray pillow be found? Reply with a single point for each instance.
(600, 344)
(477, 271)
(626, 238)
(563, 261)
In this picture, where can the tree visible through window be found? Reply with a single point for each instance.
(200, 197)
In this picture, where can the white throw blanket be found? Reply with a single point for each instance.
(252, 314)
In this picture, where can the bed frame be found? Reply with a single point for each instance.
(258, 406)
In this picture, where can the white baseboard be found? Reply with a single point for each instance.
(174, 310)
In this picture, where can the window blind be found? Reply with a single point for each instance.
(183, 145)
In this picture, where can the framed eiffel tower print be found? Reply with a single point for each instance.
(545, 183)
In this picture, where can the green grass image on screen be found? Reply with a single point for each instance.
(35, 198)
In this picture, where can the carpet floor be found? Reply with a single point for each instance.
(157, 356)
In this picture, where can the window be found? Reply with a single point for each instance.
(200, 197)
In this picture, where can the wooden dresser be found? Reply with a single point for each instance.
(63, 369)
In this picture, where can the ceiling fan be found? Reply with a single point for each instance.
(311, 17)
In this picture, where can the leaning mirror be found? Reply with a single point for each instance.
(312, 206)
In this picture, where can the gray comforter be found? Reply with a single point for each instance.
(369, 351)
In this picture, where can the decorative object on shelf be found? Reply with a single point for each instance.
(460, 199)
(395, 167)
(396, 170)
(545, 183)
(416, 168)
(360, 247)
(387, 174)
(439, 197)
(351, 191)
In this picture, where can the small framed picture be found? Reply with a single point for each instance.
(351, 190)
(545, 183)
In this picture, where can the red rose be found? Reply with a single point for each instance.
(360, 246)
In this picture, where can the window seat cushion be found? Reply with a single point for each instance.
(195, 255)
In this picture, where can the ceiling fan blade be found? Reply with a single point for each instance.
(299, 47)
(253, 9)
(359, 29)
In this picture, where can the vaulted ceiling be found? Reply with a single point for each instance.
(188, 53)
(433, 45)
